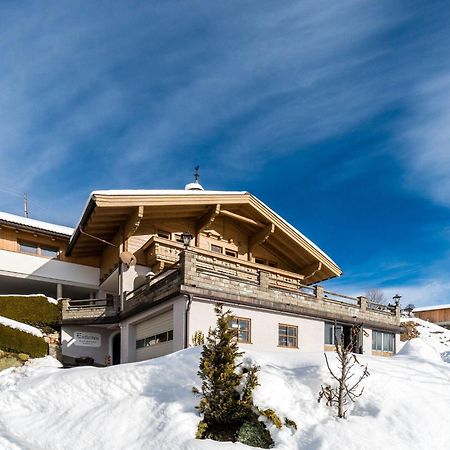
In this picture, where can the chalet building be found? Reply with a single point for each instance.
(439, 314)
(143, 269)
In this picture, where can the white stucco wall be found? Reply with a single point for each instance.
(264, 327)
(71, 349)
(398, 343)
(45, 269)
(367, 341)
(130, 274)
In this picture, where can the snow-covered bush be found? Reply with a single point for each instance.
(226, 405)
(18, 341)
(34, 310)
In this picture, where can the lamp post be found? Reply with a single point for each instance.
(187, 238)
(396, 299)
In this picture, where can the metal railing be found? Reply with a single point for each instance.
(90, 303)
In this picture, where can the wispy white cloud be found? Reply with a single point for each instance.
(427, 136)
(136, 87)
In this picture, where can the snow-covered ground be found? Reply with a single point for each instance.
(438, 337)
(20, 326)
(149, 405)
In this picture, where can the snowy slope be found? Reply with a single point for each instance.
(434, 335)
(20, 326)
(149, 405)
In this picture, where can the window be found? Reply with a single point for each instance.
(272, 263)
(333, 332)
(156, 339)
(164, 234)
(178, 237)
(216, 248)
(36, 249)
(383, 341)
(260, 261)
(26, 247)
(230, 253)
(242, 327)
(49, 252)
(287, 335)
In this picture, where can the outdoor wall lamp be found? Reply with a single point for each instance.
(396, 299)
(187, 238)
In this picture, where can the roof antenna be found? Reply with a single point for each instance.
(25, 204)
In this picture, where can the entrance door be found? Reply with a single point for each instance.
(116, 349)
(356, 341)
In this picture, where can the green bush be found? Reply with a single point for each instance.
(33, 310)
(254, 434)
(226, 403)
(13, 340)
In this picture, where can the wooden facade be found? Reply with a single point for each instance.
(12, 236)
(438, 315)
(235, 225)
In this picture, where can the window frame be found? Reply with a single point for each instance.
(249, 329)
(333, 334)
(287, 336)
(211, 246)
(38, 247)
(165, 233)
(383, 339)
(29, 244)
(155, 339)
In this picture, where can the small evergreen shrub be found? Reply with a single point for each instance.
(17, 341)
(290, 423)
(33, 310)
(226, 404)
(198, 338)
(255, 434)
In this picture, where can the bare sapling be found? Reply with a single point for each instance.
(348, 387)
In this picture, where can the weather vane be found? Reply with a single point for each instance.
(196, 174)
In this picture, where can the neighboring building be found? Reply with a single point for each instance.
(242, 254)
(439, 314)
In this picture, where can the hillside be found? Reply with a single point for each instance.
(436, 336)
(149, 405)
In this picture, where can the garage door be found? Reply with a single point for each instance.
(154, 337)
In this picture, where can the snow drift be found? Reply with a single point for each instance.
(149, 405)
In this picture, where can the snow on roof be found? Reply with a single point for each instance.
(164, 192)
(202, 192)
(37, 224)
(431, 308)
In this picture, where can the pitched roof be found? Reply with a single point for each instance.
(107, 211)
(32, 224)
(432, 308)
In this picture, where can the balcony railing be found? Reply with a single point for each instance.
(228, 279)
(94, 309)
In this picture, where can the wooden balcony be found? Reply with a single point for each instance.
(231, 280)
(222, 278)
(95, 311)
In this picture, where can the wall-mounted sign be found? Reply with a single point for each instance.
(87, 339)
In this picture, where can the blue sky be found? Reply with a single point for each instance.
(336, 114)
